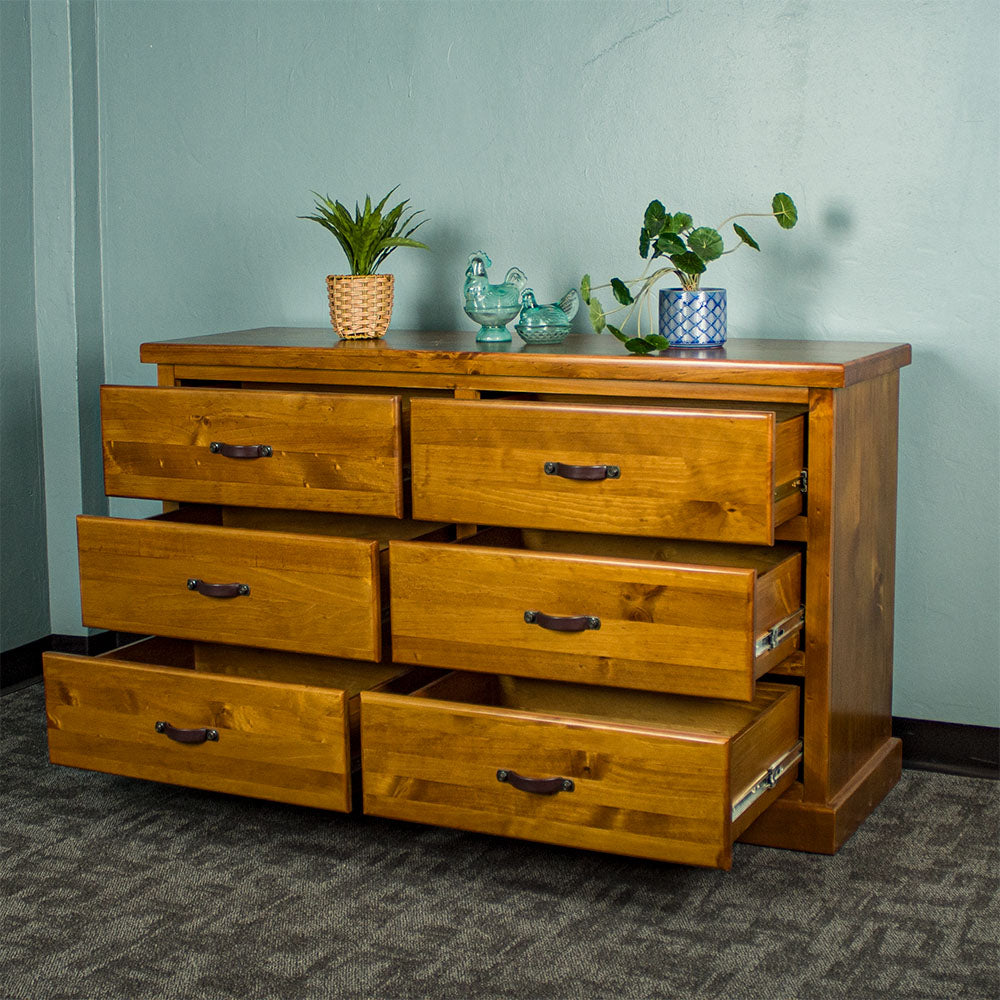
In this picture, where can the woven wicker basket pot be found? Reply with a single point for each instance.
(360, 304)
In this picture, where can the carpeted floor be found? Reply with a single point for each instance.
(122, 889)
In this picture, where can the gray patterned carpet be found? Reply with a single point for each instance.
(122, 889)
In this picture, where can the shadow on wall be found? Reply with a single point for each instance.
(793, 277)
(438, 303)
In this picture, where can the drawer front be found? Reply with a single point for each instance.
(638, 789)
(305, 593)
(724, 475)
(619, 622)
(318, 451)
(288, 743)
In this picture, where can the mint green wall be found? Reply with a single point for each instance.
(24, 597)
(68, 332)
(539, 131)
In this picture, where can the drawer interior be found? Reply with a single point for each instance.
(380, 529)
(617, 706)
(276, 666)
(781, 411)
(762, 558)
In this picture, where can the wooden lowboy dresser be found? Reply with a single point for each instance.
(638, 605)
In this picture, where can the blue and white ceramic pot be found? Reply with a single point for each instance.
(693, 319)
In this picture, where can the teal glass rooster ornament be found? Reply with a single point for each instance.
(492, 306)
(546, 324)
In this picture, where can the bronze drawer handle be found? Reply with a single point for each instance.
(537, 786)
(187, 735)
(584, 472)
(241, 450)
(219, 589)
(563, 623)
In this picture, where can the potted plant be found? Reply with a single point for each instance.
(689, 316)
(361, 301)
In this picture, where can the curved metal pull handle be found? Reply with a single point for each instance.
(562, 623)
(241, 450)
(219, 589)
(584, 472)
(187, 735)
(537, 786)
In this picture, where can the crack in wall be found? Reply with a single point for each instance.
(632, 34)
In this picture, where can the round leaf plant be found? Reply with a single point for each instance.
(672, 237)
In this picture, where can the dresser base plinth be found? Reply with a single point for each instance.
(822, 828)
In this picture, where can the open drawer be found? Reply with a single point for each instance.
(649, 775)
(299, 581)
(254, 447)
(723, 473)
(655, 614)
(247, 721)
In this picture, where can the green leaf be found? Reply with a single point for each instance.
(669, 243)
(615, 332)
(585, 288)
(654, 218)
(622, 294)
(689, 263)
(402, 241)
(657, 341)
(745, 236)
(367, 237)
(679, 221)
(784, 210)
(638, 346)
(381, 204)
(706, 243)
(644, 242)
(597, 316)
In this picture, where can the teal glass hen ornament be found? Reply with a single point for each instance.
(546, 324)
(493, 306)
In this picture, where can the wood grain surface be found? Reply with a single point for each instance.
(743, 361)
(307, 593)
(276, 741)
(335, 452)
(651, 787)
(664, 626)
(684, 473)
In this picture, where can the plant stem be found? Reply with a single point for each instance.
(746, 215)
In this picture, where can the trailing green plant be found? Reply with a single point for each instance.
(672, 237)
(369, 236)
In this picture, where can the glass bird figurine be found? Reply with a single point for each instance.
(492, 306)
(546, 324)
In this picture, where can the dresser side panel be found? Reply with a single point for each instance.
(863, 574)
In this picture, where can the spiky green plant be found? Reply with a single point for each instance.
(369, 236)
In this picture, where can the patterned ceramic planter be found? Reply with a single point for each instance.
(693, 319)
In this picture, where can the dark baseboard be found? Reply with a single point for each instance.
(949, 747)
(22, 666)
(927, 746)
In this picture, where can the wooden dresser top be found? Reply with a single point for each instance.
(816, 363)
